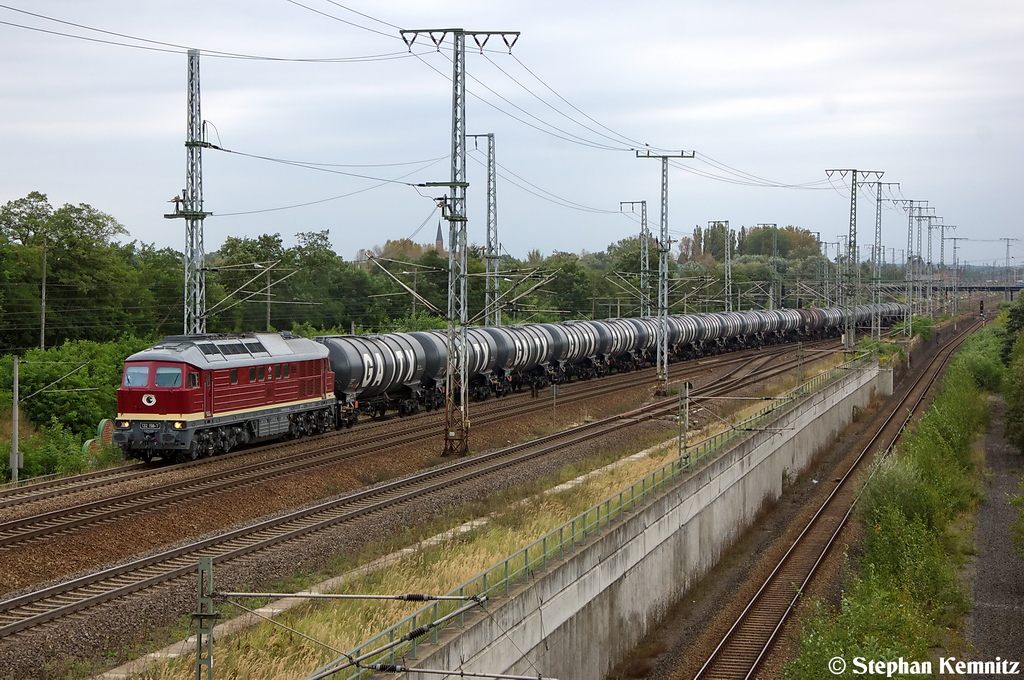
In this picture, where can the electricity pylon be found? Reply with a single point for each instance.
(492, 310)
(852, 266)
(664, 248)
(1008, 292)
(728, 260)
(645, 269)
(876, 270)
(189, 206)
(456, 396)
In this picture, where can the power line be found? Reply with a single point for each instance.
(173, 48)
(343, 21)
(550, 197)
(565, 136)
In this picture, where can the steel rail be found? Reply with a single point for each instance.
(36, 527)
(39, 607)
(38, 491)
(746, 643)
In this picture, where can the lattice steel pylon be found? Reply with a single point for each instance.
(931, 266)
(492, 310)
(456, 397)
(664, 248)
(645, 254)
(908, 265)
(876, 268)
(852, 268)
(728, 260)
(189, 207)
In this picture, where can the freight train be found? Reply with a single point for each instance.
(198, 395)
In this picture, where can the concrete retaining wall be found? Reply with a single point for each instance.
(581, 616)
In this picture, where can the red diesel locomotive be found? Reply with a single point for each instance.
(197, 395)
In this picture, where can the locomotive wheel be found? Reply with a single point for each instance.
(189, 454)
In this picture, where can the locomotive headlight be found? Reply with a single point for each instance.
(179, 424)
(124, 424)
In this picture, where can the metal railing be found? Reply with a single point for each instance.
(520, 566)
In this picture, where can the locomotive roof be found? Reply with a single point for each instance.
(236, 349)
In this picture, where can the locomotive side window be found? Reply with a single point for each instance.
(277, 371)
(252, 374)
(260, 369)
(168, 376)
(136, 376)
(193, 380)
(234, 376)
(286, 366)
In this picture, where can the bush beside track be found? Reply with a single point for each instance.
(907, 595)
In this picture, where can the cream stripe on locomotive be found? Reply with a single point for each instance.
(201, 415)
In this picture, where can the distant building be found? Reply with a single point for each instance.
(439, 241)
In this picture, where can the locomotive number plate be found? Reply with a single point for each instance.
(150, 426)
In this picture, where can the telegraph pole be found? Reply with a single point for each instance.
(456, 397)
(645, 269)
(189, 206)
(664, 248)
(492, 311)
(852, 267)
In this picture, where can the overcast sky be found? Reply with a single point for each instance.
(929, 92)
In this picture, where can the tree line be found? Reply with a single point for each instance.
(66, 276)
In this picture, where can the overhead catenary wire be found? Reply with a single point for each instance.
(174, 48)
(544, 194)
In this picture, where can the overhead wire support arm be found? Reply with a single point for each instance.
(438, 35)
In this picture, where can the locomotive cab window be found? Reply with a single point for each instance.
(168, 376)
(136, 376)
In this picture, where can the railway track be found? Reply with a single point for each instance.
(572, 392)
(39, 607)
(40, 527)
(748, 641)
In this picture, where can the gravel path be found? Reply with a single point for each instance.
(997, 615)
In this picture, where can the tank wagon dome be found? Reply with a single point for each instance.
(226, 350)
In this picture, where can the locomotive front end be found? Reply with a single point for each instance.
(155, 404)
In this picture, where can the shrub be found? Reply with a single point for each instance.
(873, 622)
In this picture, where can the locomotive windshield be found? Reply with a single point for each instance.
(168, 376)
(136, 376)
